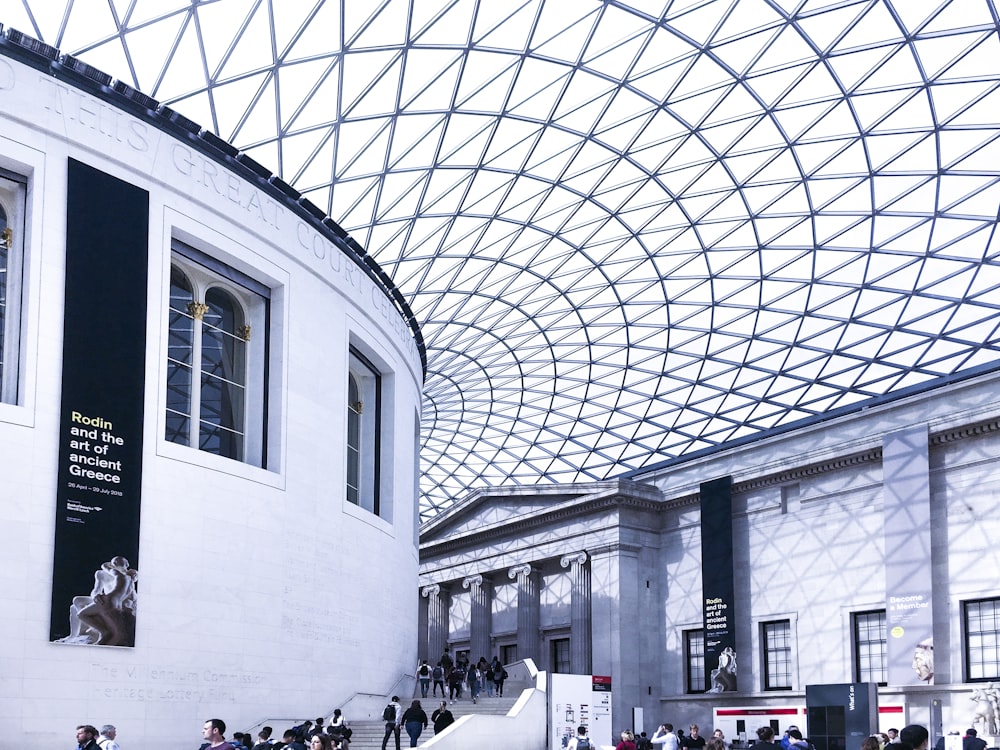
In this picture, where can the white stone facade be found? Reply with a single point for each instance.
(809, 542)
(263, 592)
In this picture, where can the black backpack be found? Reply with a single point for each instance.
(583, 743)
(389, 713)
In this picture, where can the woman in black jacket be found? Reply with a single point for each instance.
(414, 721)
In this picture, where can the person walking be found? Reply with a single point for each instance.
(424, 675)
(415, 722)
(442, 718)
(392, 715)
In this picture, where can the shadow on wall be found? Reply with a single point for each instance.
(524, 726)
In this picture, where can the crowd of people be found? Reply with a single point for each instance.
(308, 735)
(336, 735)
(912, 737)
(458, 674)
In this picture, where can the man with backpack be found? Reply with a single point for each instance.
(455, 679)
(424, 675)
(438, 675)
(581, 741)
(391, 715)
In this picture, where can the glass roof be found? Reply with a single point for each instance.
(629, 230)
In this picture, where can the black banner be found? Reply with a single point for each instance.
(96, 558)
(718, 587)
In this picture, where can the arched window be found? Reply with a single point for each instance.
(209, 333)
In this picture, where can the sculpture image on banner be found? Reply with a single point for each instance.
(107, 616)
(724, 676)
(923, 660)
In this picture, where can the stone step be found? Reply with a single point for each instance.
(368, 734)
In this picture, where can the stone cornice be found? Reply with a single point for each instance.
(965, 431)
(809, 470)
(870, 455)
(644, 497)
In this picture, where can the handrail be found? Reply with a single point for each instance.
(373, 698)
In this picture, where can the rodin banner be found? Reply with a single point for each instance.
(718, 587)
(94, 577)
(908, 615)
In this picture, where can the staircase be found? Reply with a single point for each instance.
(368, 734)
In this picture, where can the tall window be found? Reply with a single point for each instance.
(508, 653)
(777, 640)
(981, 620)
(694, 660)
(216, 354)
(869, 647)
(560, 655)
(364, 394)
(12, 191)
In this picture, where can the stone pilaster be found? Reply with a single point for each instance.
(438, 602)
(580, 641)
(480, 615)
(528, 611)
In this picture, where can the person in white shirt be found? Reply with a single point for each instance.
(107, 738)
(581, 741)
(665, 736)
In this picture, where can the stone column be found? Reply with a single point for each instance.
(579, 636)
(617, 611)
(480, 615)
(437, 620)
(528, 611)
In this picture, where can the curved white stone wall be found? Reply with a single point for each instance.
(263, 592)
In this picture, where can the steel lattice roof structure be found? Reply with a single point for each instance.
(630, 230)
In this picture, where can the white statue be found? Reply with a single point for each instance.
(987, 702)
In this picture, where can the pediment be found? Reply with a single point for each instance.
(498, 507)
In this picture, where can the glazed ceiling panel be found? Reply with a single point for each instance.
(629, 230)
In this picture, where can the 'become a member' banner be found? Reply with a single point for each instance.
(96, 558)
(908, 615)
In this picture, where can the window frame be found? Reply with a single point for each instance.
(508, 652)
(14, 191)
(969, 636)
(368, 449)
(694, 660)
(863, 648)
(770, 652)
(253, 299)
(557, 645)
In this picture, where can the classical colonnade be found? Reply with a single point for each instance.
(527, 578)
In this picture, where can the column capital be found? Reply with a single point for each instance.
(519, 570)
(616, 548)
(432, 590)
(472, 581)
(573, 558)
